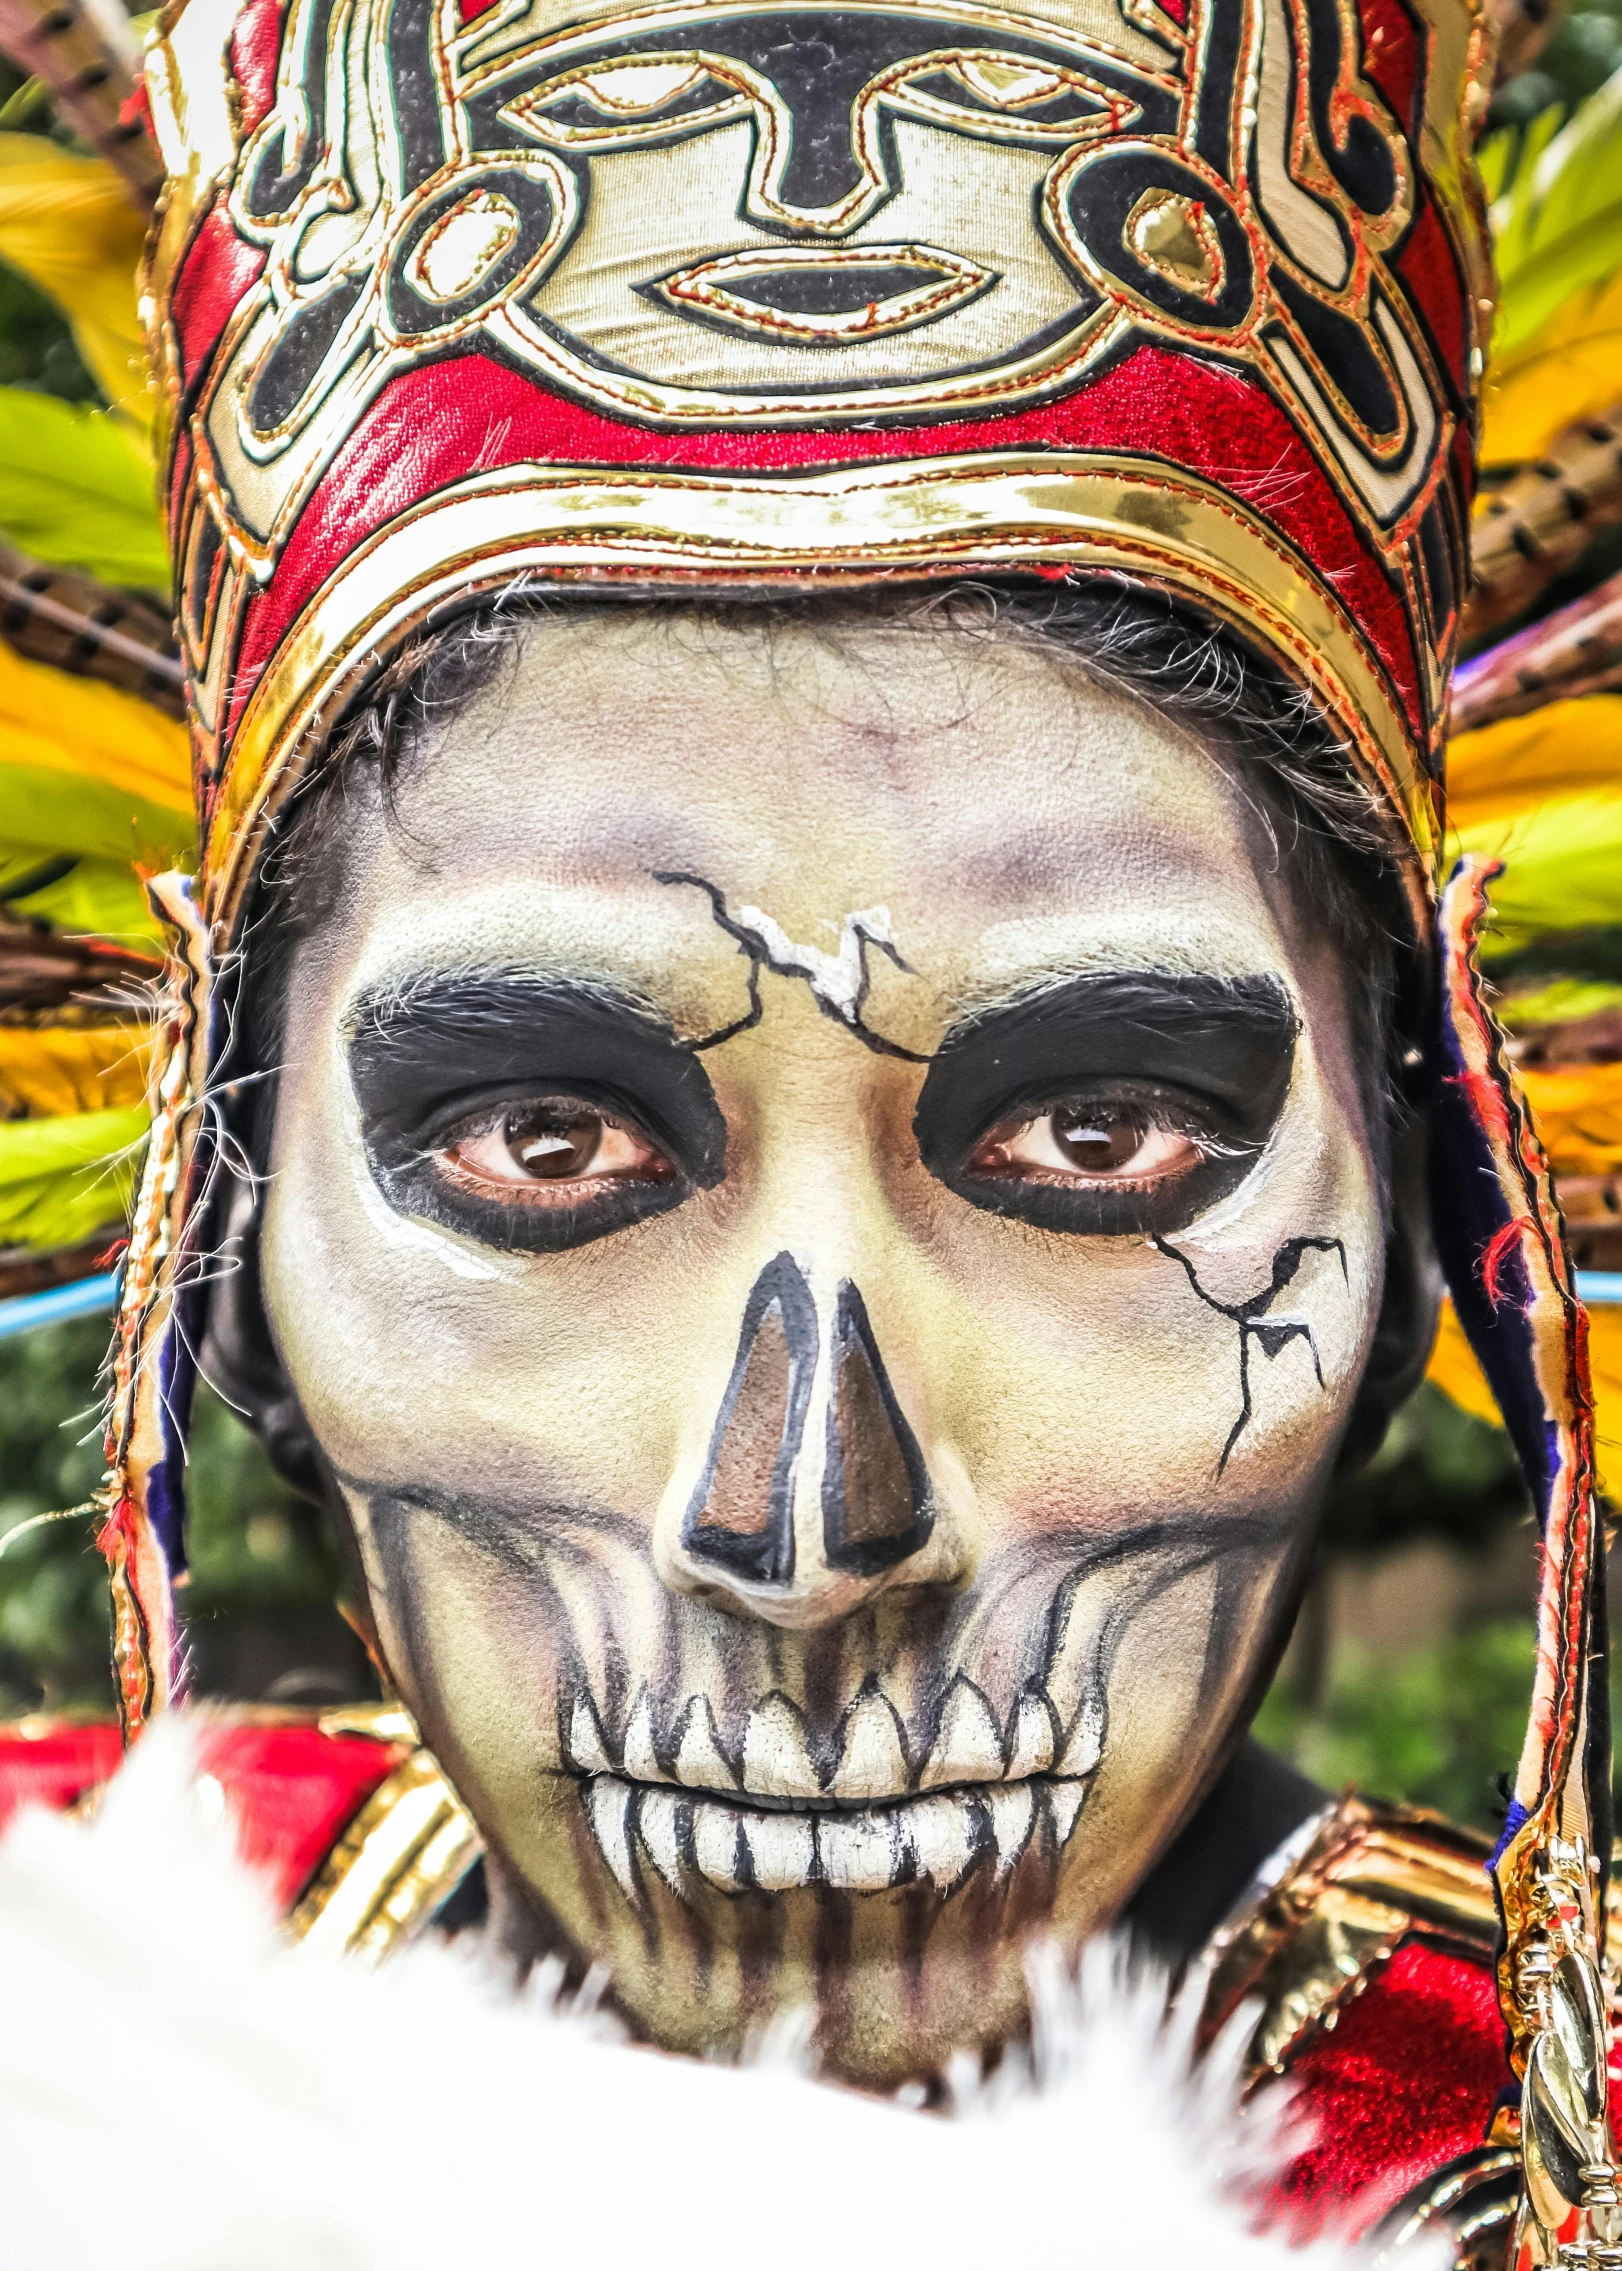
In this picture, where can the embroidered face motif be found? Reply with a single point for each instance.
(823, 1216)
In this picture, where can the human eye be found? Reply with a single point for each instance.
(1118, 1142)
(553, 1151)
(1110, 1104)
(529, 1114)
(1108, 1162)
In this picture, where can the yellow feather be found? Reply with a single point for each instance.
(1503, 771)
(69, 224)
(57, 1070)
(1562, 859)
(1454, 1369)
(1578, 1109)
(1571, 370)
(52, 722)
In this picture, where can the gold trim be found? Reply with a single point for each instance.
(1471, 2201)
(399, 1860)
(1314, 1940)
(958, 515)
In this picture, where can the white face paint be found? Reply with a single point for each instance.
(822, 1214)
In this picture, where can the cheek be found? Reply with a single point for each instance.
(1088, 1380)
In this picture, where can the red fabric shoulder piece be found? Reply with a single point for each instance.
(291, 1789)
(52, 1762)
(1405, 2081)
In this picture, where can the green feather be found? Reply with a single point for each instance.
(62, 1181)
(1557, 229)
(75, 491)
(1562, 870)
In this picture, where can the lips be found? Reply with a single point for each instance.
(823, 295)
(978, 1799)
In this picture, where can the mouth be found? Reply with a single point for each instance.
(938, 1840)
(823, 295)
(880, 1814)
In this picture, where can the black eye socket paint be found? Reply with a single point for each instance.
(1210, 1057)
(435, 1059)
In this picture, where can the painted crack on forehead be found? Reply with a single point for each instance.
(839, 983)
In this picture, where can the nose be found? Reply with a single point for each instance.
(813, 1493)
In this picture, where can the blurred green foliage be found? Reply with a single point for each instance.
(1580, 54)
(259, 1605)
(1439, 1727)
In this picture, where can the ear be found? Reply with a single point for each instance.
(239, 1354)
(1411, 1304)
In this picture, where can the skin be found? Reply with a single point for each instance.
(1110, 1327)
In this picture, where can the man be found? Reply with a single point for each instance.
(818, 644)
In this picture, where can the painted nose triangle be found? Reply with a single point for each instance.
(741, 1516)
(876, 1507)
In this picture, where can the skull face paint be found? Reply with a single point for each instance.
(823, 1216)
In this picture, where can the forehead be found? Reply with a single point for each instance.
(1006, 811)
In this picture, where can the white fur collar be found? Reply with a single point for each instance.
(181, 2090)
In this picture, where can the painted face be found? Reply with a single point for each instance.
(822, 1215)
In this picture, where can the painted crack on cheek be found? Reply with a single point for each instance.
(840, 983)
(1272, 1334)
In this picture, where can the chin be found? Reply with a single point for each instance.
(891, 1938)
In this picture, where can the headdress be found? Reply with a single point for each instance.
(709, 294)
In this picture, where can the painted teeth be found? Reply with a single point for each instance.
(934, 1840)
(699, 1763)
(1031, 1750)
(587, 1748)
(970, 1757)
(873, 1763)
(641, 1761)
(776, 1763)
(609, 1816)
(968, 1747)
(782, 1850)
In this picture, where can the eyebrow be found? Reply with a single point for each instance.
(427, 1052)
(1231, 1040)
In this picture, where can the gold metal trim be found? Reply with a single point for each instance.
(1314, 1940)
(971, 514)
(1472, 2202)
(399, 1860)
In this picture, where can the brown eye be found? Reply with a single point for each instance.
(559, 1141)
(1096, 1142)
(1071, 1143)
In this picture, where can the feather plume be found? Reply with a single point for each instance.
(1557, 229)
(64, 1182)
(1542, 520)
(67, 222)
(83, 52)
(1573, 652)
(76, 491)
(1455, 1370)
(50, 1072)
(69, 620)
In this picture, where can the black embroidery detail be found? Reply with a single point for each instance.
(1251, 1317)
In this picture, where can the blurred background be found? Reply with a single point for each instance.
(1411, 1665)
